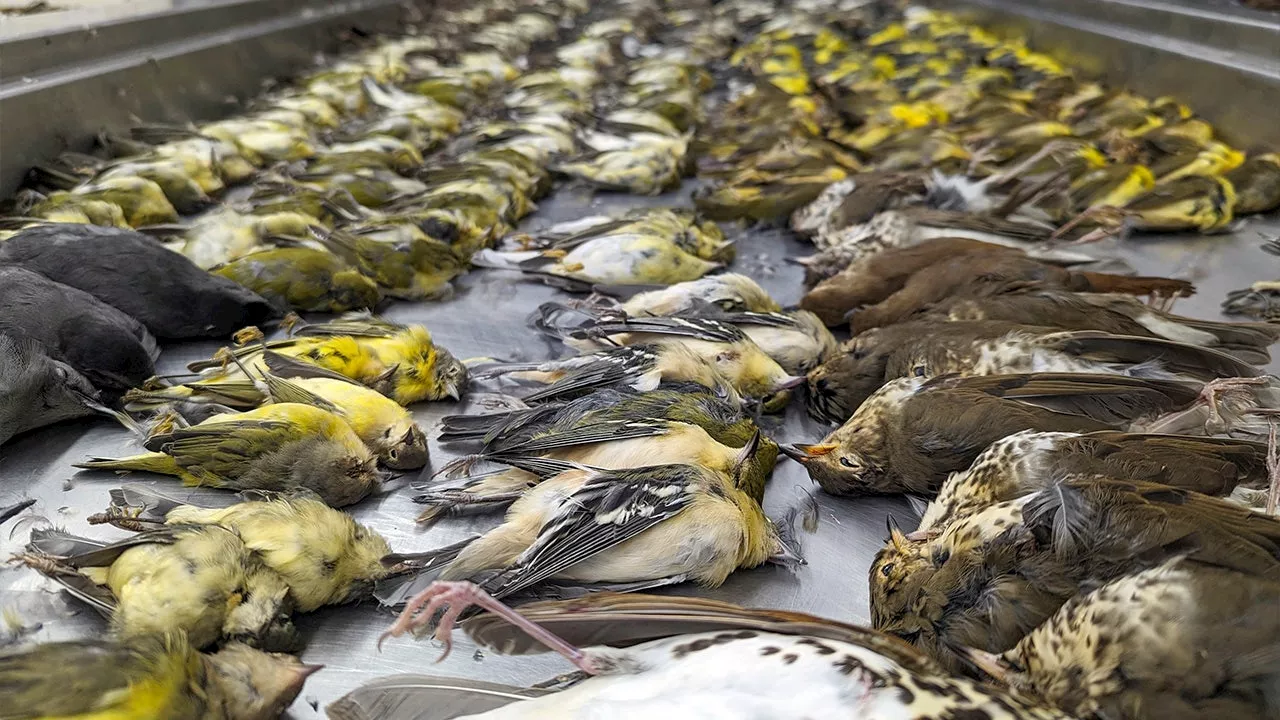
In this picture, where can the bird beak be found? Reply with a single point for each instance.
(921, 535)
(451, 390)
(378, 382)
(988, 663)
(792, 381)
(805, 453)
(747, 452)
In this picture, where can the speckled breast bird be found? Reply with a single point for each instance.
(1113, 313)
(986, 347)
(1179, 641)
(913, 432)
(1026, 462)
(991, 578)
(650, 656)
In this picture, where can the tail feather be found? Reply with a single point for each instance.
(1130, 285)
(1179, 358)
(155, 462)
(421, 697)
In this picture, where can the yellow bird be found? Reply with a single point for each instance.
(147, 678)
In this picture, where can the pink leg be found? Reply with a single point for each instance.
(459, 596)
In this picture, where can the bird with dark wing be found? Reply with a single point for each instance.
(911, 433)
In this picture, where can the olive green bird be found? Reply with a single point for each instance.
(420, 268)
(200, 581)
(278, 447)
(158, 676)
(384, 425)
(302, 279)
(323, 555)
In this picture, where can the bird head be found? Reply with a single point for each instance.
(838, 386)
(839, 469)
(255, 685)
(407, 450)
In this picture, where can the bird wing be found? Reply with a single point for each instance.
(288, 367)
(701, 329)
(422, 697)
(67, 679)
(283, 391)
(619, 620)
(611, 508)
(226, 449)
(585, 433)
(1129, 521)
(608, 368)
(358, 324)
(1110, 399)
(1191, 360)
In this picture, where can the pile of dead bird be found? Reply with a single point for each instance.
(1100, 538)
(1084, 453)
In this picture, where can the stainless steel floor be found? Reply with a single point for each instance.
(487, 318)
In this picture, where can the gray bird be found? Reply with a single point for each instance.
(36, 390)
(168, 293)
(113, 350)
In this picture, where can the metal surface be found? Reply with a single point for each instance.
(487, 317)
(1223, 61)
(59, 89)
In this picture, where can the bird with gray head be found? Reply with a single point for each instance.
(128, 270)
(113, 350)
(36, 390)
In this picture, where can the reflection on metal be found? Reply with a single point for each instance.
(1221, 60)
(59, 89)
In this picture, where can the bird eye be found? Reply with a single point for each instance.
(918, 371)
(845, 461)
(888, 568)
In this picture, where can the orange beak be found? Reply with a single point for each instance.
(804, 453)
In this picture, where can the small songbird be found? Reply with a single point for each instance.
(112, 349)
(982, 274)
(1112, 313)
(152, 677)
(633, 528)
(168, 294)
(988, 580)
(731, 292)
(201, 581)
(36, 390)
(1175, 641)
(751, 370)
(638, 367)
(926, 347)
(909, 435)
(685, 657)
(279, 447)
(323, 555)
(402, 362)
(611, 430)
(1024, 462)
(386, 426)
(302, 279)
(1257, 184)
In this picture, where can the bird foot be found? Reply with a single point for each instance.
(1209, 395)
(455, 598)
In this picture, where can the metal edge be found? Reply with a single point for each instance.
(197, 77)
(1235, 91)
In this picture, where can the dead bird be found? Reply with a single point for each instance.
(911, 433)
(172, 297)
(984, 347)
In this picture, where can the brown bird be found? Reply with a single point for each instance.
(991, 578)
(1025, 462)
(1179, 641)
(912, 432)
(1113, 313)
(877, 276)
(985, 347)
(647, 656)
(983, 274)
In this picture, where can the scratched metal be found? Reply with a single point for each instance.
(487, 317)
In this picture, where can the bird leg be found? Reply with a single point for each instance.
(455, 598)
(1209, 396)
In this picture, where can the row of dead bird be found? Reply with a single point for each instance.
(675, 376)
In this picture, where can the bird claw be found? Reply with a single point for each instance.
(456, 598)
